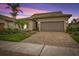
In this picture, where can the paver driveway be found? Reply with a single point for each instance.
(52, 38)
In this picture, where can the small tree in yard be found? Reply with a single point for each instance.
(21, 23)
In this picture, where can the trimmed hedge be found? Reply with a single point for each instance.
(73, 30)
(75, 37)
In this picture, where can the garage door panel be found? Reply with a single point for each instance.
(56, 26)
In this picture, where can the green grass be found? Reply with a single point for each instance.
(14, 36)
(73, 30)
(75, 37)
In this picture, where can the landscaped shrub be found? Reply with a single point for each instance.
(13, 35)
(75, 37)
(75, 33)
(77, 29)
(73, 30)
(70, 30)
(9, 31)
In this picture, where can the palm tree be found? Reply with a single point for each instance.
(15, 9)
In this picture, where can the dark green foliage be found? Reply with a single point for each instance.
(73, 30)
(75, 37)
(13, 35)
(9, 31)
(21, 23)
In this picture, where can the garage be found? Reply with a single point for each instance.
(51, 21)
(52, 26)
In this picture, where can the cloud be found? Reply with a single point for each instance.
(31, 11)
(22, 17)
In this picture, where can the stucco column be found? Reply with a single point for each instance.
(65, 25)
(39, 26)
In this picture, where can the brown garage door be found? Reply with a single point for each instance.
(55, 26)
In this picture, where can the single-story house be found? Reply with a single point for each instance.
(6, 22)
(49, 22)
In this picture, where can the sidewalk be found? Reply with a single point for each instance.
(29, 49)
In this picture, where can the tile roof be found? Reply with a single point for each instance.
(6, 18)
(50, 14)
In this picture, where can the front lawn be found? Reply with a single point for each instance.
(14, 35)
(73, 30)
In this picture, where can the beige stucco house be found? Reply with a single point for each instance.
(49, 22)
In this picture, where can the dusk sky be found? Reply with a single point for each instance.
(34, 8)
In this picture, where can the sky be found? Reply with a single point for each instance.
(35, 8)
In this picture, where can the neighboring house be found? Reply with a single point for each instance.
(6, 22)
(49, 22)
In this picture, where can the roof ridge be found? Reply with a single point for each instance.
(49, 13)
(6, 18)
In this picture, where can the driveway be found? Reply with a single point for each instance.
(60, 39)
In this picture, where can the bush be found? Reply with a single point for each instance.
(70, 30)
(76, 38)
(73, 30)
(75, 33)
(13, 35)
(9, 31)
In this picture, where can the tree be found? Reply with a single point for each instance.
(15, 9)
(74, 21)
(21, 23)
